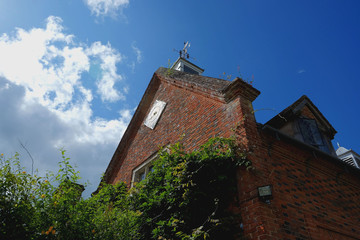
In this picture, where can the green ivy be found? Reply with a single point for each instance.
(188, 195)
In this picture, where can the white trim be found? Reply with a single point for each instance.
(145, 166)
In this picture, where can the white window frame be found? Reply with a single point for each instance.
(142, 168)
(145, 167)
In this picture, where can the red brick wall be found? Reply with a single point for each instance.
(189, 116)
(313, 197)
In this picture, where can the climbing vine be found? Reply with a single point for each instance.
(188, 195)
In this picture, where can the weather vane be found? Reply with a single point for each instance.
(184, 52)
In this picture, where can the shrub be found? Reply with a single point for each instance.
(186, 196)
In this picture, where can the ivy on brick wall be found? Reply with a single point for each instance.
(186, 196)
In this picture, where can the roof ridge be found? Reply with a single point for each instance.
(214, 84)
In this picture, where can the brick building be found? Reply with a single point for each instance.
(314, 195)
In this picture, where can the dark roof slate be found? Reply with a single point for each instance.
(213, 84)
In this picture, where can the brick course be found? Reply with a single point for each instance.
(314, 197)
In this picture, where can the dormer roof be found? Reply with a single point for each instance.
(296, 109)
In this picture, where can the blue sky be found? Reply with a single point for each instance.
(73, 71)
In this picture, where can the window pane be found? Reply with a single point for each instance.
(307, 131)
(316, 133)
(142, 176)
(324, 148)
(311, 134)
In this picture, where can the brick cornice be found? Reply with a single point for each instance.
(240, 87)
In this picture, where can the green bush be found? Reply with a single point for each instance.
(32, 207)
(186, 196)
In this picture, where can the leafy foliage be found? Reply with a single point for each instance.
(51, 207)
(186, 196)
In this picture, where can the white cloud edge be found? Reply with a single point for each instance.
(138, 52)
(106, 7)
(301, 71)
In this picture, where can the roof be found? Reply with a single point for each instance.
(294, 109)
(214, 87)
(213, 84)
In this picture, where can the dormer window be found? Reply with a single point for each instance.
(298, 121)
(311, 134)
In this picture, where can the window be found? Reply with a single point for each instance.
(140, 172)
(311, 134)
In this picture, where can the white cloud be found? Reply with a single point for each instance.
(48, 64)
(139, 57)
(132, 66)
(301, 71)
(137, 52)
(44, 101)
(109, 57)
(106, 7)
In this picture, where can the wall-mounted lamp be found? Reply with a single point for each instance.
(265, 193)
